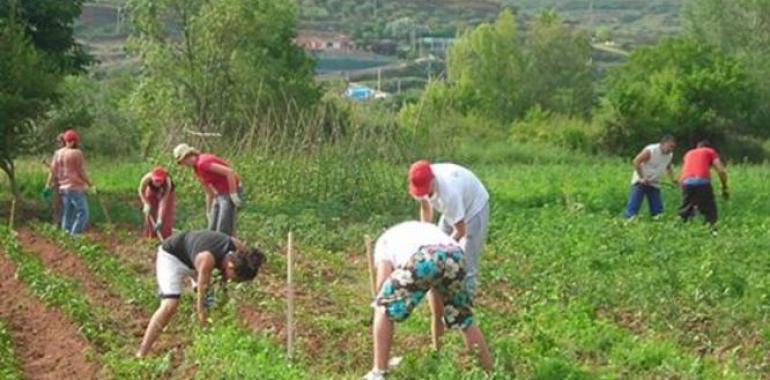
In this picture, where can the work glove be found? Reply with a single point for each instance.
(236, 199)
(726, 194)
(145, 208)
(156, 227)
(47, 193)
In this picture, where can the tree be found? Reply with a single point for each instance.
(678, 86)
(486, 67)
(48, 25)
(559, 75)
(740, 28)
(33, 58)
(217, 65)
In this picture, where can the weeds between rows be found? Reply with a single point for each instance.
(94, 322)
(238, 353)
(10, 369)
(572, 289)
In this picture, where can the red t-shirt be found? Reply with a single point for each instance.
(697, 163)
(203, 172)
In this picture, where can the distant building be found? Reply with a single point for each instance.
(323, 41)
(360, 92)
(436, 45)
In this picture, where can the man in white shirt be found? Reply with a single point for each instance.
(463, 202)
(649, 166)
(413, 258)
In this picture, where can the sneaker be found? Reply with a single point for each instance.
(374, 374)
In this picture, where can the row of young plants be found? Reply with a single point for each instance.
(94, 322)
(224, 349)
(10, 368)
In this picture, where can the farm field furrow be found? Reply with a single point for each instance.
(47, 344)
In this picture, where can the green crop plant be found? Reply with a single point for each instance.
(10, 368)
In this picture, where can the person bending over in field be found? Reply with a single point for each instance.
(196, 254)
(649, 166)
(413, 258)
(156, 191)
(695, 180)
(68, 172)
(220, 183)
(463, 202)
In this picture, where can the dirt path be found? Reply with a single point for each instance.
(129, 320)
(47, 344)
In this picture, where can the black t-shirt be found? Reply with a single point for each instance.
(187, 245)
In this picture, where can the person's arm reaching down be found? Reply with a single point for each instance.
(232, 182)
(204, 264)
(722, 177)
(458, 231)
(426, 212)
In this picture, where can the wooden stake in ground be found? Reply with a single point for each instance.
(370, 261)
(290, 297)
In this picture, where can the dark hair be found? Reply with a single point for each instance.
(704, 143)
(667, 138)
(247, 263)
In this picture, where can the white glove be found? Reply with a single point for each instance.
(146, 208)
(236, 199)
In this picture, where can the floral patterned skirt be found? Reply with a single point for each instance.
(437, 267)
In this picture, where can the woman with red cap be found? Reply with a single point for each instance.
(156, 191)
(68, 167)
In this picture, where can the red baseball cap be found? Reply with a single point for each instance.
(158, 174)
(69, 136)
(420, 178)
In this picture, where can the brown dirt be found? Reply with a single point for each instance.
(46, 343)
(129, 318)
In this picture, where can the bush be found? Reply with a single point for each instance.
(544, 127)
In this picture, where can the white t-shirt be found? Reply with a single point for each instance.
(400, 242)
(459, 194)
(655, 166)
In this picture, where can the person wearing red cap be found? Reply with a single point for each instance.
(463, 202)
(68, 168)
(156, 191)
(220, 183)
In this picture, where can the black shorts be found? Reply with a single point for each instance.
(698, 198)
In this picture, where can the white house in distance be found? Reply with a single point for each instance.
(315, 40)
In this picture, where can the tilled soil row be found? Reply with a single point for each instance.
(129, 320)
(46, 342)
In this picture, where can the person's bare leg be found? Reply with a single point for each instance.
(474, 340)
(158, 321)
(383, 336)
(437, 321)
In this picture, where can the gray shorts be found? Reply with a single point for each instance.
(475, 236)
(222, 214)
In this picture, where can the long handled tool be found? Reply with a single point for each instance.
(290, 297)
(104, 208)
(157, 233)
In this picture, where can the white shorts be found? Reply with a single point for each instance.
(170, 273)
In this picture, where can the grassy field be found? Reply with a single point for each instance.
(569, 289)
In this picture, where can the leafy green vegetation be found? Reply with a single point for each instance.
(9, 363)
